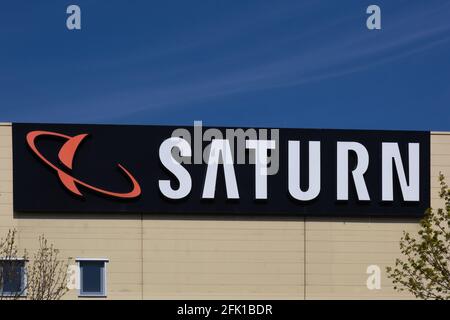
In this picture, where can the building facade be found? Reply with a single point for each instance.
(215, 256)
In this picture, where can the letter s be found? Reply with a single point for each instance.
(167, 160)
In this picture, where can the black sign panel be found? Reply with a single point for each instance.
(112, 168)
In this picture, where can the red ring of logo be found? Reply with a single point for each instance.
(66, 155)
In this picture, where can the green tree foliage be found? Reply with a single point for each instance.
(424, 269)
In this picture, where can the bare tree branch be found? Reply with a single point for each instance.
(46, 274)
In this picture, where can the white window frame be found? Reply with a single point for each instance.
(25, 278)
(105, 273)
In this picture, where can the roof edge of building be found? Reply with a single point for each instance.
(8, 124)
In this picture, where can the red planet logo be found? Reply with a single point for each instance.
(66, 155)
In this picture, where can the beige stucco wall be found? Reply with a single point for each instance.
(159, 257)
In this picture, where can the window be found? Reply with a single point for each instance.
(12, 277)
(92, 277)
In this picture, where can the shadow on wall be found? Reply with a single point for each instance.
(207, 217)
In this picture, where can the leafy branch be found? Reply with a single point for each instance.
(424, 270)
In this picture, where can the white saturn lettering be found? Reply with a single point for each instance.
(220, 158)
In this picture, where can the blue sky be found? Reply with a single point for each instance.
(305, 64)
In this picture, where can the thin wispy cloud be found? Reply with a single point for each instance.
(216, 56)
(327, 60)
